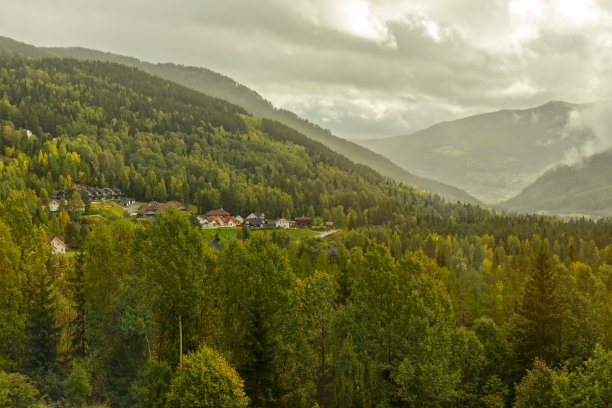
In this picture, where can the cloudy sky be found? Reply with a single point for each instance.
(362, 68)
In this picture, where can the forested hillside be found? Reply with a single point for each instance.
(217, 85)
(415, 302)
(582, 189)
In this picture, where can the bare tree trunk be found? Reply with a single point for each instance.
(180, 340)
(148, 345)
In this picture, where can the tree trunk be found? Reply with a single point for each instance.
(180, 340)
(148, 345)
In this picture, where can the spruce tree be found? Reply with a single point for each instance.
(42, 331)
(539, 309)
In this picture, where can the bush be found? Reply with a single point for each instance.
(16, 390)
(151, 386)
(205, 379)
(77, 387)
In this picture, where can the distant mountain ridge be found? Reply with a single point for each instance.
(583, 189)
(217, 85)
(492, 156)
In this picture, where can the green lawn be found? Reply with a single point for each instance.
(112, 212)
(296, 234)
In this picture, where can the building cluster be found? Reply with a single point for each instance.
(222, 219)
(149, 210)
(94, 194)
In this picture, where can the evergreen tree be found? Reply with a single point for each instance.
(540, 310)
(42, 331)
(76, 285)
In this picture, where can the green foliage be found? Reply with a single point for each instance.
(150, 387)
(537, 387)
(172, 254)
(16, 390)
(540, 310)
(205, 379)
(77, 385)
(415, 302)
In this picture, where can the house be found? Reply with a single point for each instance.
(127, 202)
(239, 220)
(256, 215)
(329, 224)
(227, 222)
(61, 194)
(149, 210)
(207, 222)
(282, 223)
(54, 205)
(58, 246)
(217, 213)
(255, 222)
(179, 206)
(303, 221)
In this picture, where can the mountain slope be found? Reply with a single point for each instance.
(222, 87)
(581, 189)
(493, 155)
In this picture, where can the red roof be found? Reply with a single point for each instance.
(302, 218)
(52, 237)
(217, 213)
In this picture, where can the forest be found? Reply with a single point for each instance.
(416, 302)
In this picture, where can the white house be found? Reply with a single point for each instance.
(282, 223)
(54, 205)
(57, 244)
(208, 222)
(228, 222)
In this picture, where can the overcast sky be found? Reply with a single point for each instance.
(362, 68)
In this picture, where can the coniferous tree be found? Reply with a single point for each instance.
(539, 310)
(76, 284)
(42, 331)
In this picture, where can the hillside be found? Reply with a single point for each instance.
(144, 312)
(581, 189)
(492, 156)
(217, 85)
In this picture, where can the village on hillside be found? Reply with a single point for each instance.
(82, 199)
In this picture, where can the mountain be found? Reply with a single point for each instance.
(492, 156)
(583, 189)
(219, 86)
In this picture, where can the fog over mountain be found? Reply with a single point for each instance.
(362, 68)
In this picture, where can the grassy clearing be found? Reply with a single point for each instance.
(295, 234)
(112, 212)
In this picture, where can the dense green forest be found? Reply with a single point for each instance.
(416, 302)
(219, 86)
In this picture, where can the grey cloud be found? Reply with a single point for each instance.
(421, 62)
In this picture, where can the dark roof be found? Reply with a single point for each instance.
(256, 222)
